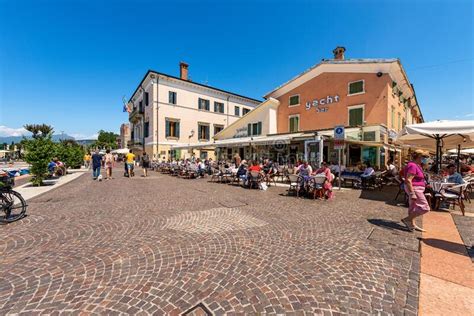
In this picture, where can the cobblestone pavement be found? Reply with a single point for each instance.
(164, 245)
(465, 226)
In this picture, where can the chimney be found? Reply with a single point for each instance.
(339, 53)
(183, 70)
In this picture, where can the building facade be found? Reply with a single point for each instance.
(168, 111)
(124, 136)
(372, 98)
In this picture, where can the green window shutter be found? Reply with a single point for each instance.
(259, 128)
(167, 133)
(177, 129)
(292, 124)
(356, 117)
(207, 132)
(249, 129)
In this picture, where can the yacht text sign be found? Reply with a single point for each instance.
(321, 105)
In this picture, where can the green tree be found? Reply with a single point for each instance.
(69, 152)
(106, 140)
(39, 151)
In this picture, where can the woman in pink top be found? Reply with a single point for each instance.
(329, 177)
(415, 188)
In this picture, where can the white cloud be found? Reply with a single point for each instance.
(79, 136)
(9, 131)
(469, 115)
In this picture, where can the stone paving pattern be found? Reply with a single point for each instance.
(163, 245)
(465, 226)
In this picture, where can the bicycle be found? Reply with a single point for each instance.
(12, 204)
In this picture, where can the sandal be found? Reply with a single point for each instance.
(419, 228)
(408, 225)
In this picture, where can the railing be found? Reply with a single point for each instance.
(134, 143)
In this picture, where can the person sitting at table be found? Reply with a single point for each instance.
(329, 178)
(366, 175)
(200, 168)
(242, 171)
(453, 176)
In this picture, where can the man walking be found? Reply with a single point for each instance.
(145, 164)
(130, 163)
(96, 164)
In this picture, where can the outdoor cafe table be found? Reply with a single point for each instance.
(437, 186)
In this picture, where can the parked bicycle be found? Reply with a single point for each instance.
(12, 204)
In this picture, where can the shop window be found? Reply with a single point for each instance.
(172, 128)
(236, 111)
(203, 104)
(218, 128)
(369, 155)
(218, 107)
(294, 100)
(356, 87)
(203, 131)
(172, 97)
(203, 155)
(245, 111)
(356, 116)
(254, 129)
(294, 123)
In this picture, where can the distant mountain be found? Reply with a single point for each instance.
(17, 139)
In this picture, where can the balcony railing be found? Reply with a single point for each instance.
(136, 113)
(134, 143)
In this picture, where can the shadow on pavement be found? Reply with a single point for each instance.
(456, 248)
(387, 195)
(387, 224)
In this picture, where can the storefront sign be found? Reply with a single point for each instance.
(321, 105)
(240, 132)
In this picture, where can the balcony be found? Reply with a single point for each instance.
(138, 144)
(136, 114)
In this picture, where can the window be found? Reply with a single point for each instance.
(245, 111)
(356, 116)
(203, 131)
(172, 97)
(172, 128)
(294, 123)
(254, 129)
(356, 87)
(203, 104)
(294, 100)
(392, 117)
(218, 107)
(146, 129)
(369, 136)
(140, 106)
(218, 128)
(146, 98)
(237, 111)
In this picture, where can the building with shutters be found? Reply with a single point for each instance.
(372, 98)
(166, 112)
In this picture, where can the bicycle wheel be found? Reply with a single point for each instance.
(12, 206)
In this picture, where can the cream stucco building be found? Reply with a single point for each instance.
(168, 111)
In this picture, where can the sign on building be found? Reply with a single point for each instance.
(339, 136)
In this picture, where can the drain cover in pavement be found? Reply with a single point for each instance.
(198, 310)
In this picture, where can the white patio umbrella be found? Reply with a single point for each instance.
(438, 134)
(120, 151)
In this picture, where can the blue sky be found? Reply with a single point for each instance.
(68, 63)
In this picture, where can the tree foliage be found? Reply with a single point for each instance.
(106, 140)
(39, 151)
(39, 130)
(69, 152)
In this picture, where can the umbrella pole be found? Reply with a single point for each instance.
(438, 154)
(458, 159)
